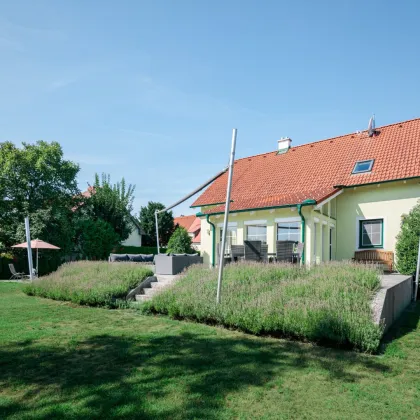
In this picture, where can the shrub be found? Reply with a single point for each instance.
(408, 242)
(329, 303)
(180, 242)
(90, 283)
(96, 239)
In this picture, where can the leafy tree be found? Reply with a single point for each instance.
(111, 203)
(56, 224)
(148, 224)
(36, 180)
(408, 241)
(180, 242)
(95, 238)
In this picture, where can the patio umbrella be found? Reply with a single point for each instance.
(36, 244)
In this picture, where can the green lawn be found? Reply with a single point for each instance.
(62, 361)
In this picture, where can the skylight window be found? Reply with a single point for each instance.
(363, 166)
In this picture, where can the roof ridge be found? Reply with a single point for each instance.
(328, 139)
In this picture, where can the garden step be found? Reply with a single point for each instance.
(160, 284)
(143, 298)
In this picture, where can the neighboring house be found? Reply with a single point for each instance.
(337, 196)
(192, 224)
(135, 238)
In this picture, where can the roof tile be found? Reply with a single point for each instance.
(311, 171)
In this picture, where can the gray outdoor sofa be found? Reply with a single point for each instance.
(175, 263)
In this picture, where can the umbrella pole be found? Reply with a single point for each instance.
(37, 261)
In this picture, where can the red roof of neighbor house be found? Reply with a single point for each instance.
(192, 224)
(314, 170)
(196, 225)
(197, 238)
(185, 221)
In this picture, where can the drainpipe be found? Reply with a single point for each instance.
(307, 202)
(299, 209)
(213, 240)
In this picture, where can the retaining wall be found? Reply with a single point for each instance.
(392, 298)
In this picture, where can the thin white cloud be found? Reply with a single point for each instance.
(31, 31)
(10, 44)
(140, 133)
(94, 159)
(61, 83)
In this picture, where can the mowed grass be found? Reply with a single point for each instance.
(60, 361)
(330, 303)
(94, 283)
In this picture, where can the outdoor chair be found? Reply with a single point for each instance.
(237, 252)
(284, 251)
(264, 252)
(299, 251)
(15, 274)
(253, 250)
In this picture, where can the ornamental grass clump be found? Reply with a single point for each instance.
(330, 303)
(93, 283)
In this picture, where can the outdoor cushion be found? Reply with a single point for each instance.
(135, 257)
(118, 257)
(147, 257)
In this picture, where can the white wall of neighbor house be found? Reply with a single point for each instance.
(388, 201)
(134, 239)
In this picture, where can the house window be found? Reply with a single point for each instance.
(371, 233)
(230, 237)
(257, 233)
(288, 231)
(363, 166)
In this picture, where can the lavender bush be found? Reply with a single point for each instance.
(329, 303)
(94, 283)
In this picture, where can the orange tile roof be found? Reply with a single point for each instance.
(313, 170)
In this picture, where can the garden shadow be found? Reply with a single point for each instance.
(188, 375)
(407, 323)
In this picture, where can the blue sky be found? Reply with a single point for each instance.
(150, 90)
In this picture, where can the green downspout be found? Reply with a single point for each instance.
(213, 240)
(299, 209)
(307, 202)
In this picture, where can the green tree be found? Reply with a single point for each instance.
(36, 180)
(112, 203)
(95, 239)
(180, 242)
(408, 242)
(148, 224)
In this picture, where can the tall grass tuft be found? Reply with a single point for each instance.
(93, 283)
(329, 303)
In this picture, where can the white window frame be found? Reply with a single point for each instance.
(230, 224)
(280, 220)
(384, 239)
(256, 223)
(372, 161)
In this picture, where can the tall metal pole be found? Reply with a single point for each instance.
(157, 231)
(28, 241)
(416, 285)
(225, 223)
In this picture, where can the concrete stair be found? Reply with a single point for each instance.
(161, 283)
